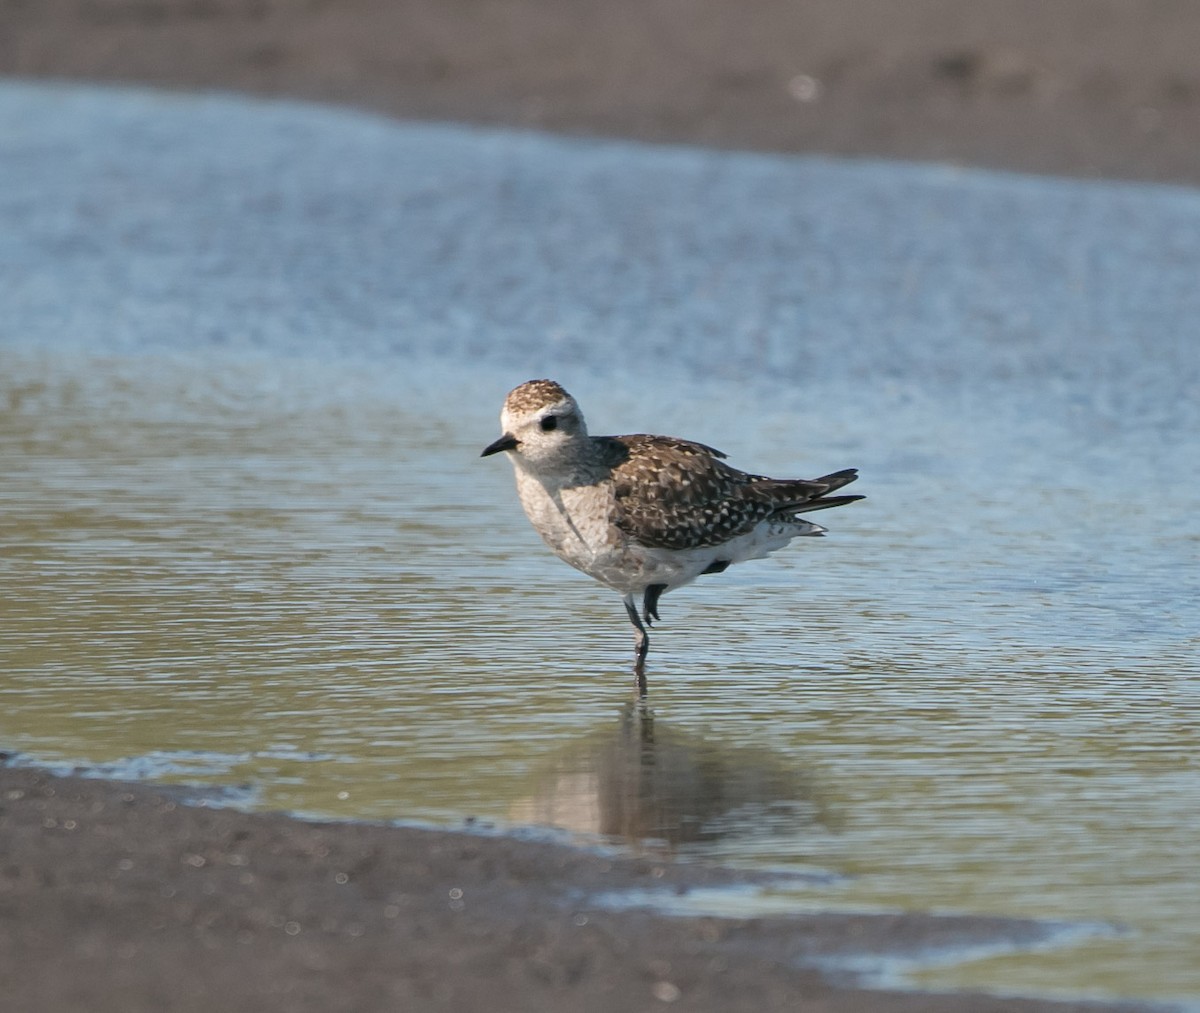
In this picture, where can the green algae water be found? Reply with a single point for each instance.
(296, 580)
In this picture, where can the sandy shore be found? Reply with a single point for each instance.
(116, 897)
(1079, 87)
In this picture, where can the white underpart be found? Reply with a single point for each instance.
(575, 523)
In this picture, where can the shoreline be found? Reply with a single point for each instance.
(156, 903)
(1076, 88)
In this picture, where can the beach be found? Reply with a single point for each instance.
(1097, 88)
(120, 897)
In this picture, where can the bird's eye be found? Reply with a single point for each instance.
(548, 423)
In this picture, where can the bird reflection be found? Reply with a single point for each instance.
(650, 784)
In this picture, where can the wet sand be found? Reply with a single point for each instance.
(116, 897)
(1078, 87)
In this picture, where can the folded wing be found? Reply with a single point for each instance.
(674, 494)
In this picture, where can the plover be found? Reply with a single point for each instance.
(642, 514)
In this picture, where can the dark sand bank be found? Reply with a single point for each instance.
(116, 897)
(1078, 87)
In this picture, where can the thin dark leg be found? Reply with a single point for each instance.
(641, 645)
(650, 602)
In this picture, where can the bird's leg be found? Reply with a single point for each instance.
(641, 644)
(650, 602)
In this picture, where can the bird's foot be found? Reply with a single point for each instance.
(650, 601)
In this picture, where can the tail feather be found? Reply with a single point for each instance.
(801, 496)
(824, 503)
(838, 479)
(833, 481)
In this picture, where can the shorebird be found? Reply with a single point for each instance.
(642, 514)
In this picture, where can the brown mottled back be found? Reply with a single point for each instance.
(675, 494)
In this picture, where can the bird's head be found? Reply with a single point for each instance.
(543, 427)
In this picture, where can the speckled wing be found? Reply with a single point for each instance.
(674, 494)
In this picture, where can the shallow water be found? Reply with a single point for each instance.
(278, 563)
(238, 572)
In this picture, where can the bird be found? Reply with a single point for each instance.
(643, 514)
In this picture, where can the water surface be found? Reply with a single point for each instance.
(247, 539)
(314, 590)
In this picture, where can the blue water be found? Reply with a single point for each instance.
(249, 354)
